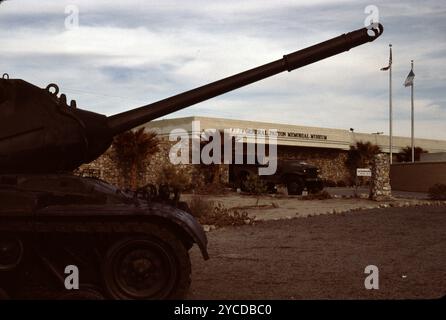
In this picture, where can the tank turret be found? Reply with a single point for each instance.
(41, 133)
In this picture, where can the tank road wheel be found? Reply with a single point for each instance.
(151, 266)
(11, 252)
(295, 186)
(3, 295)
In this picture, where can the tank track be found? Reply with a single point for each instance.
(49, 246)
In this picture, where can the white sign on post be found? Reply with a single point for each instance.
(363, 172)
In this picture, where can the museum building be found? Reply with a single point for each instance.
(326, 148)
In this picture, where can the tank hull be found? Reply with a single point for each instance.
(49, 222)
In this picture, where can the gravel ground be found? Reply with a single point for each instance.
(323, 257)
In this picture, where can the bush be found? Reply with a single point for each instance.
(254, 185)
(216, 214)
(200, 207)
(172, 180)
(438, 192)
(323, 195)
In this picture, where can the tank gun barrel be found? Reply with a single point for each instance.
(130, 119)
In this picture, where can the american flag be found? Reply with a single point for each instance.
(409, 79)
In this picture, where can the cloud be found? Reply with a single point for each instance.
(130, 53)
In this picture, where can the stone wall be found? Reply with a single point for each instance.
(106, 168)
(330, 161)
(380, 189)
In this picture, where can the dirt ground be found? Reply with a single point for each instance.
(323, 257)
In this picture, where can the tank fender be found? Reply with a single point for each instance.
(186, 222)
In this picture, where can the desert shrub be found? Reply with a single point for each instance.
(172, 180)
(173, 177)
(323, 195)
(200, 207)
(254, 185)
(217, 214)
(437, 192)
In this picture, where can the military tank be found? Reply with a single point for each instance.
(123, 247)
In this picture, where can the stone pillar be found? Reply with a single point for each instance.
(380, 184)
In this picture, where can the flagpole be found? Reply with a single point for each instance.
(389, 67)
(412, 117)
(390, 109)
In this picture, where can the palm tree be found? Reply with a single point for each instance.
(406, 154)
(132, 150)
(361, 154)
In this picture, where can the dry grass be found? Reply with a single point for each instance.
(210, 213)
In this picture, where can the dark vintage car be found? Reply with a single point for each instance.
(294, 174)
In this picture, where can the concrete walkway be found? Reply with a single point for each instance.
(276, 207)
(397, 194)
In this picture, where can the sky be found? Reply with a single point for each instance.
(124, 54)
